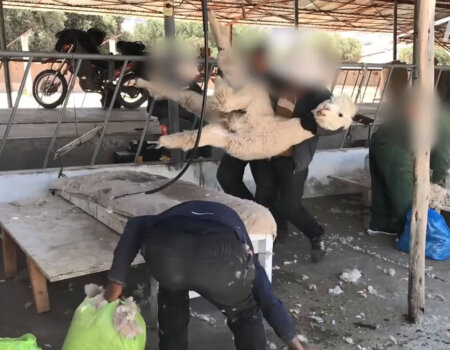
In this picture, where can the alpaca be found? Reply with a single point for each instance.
(242, 120)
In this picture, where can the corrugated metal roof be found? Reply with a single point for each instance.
(359, 15)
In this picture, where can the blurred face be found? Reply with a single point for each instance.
(258, 63)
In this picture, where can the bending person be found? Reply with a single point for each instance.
(204, 247)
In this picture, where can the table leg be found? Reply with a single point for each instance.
(9, 255)
(39, 285)
(265, 258)
(153, 299)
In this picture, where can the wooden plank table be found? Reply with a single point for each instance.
(60, 242)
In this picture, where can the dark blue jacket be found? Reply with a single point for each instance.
(132, 240)
(304, 152)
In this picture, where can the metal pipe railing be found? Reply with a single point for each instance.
(108, 113)
(16, 105)
(362, 82)
(144, 131)
(61, 115)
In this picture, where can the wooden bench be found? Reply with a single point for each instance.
(61, 242)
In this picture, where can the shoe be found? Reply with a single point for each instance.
(319, 249)
(373, 232)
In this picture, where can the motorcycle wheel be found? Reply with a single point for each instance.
(129, 96)
(48, 83)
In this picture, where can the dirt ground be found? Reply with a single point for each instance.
(369, 314)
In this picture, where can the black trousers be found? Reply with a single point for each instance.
(276, 177)
(217, 267)
(230, 175)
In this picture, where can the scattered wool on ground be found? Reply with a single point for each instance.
(335, 291)
(351, 276)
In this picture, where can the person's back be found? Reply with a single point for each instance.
(202, 246)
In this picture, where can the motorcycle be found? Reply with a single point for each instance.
(50, 86)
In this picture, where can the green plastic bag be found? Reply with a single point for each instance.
(93, 329)
(25, 342)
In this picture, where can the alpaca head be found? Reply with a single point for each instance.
(335, 113)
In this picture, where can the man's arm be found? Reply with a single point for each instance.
(273, 309)
(126, 250)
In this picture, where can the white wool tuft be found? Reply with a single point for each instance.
(125, 319)
(439, 196)
(351, 276)
(335, 291)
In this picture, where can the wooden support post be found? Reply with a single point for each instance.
(39, 285)
(9, 249)
(423, 125)
(296, 14)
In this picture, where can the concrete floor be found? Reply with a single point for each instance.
(372, 322)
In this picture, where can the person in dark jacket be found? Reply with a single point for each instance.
(286, 174)
(280, 181)
(391, 168)
(204, 247)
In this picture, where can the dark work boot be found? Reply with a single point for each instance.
(318, 248)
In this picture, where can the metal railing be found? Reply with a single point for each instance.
(77, 60)
(367, 84)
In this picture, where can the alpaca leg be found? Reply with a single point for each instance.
(189, 100)
(219, 33)
(212, 135)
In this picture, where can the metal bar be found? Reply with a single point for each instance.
(379, 104)
(363, 79)
(345, 80)
(438, 78)
(77, 142)
(73, 56)
(335, 78)
(361, 84)
(376, 90)
(108, 113)
(144, 130)
(356, 82)
(18, 54)
(296, 13)
(3, 46)
(367, 85)
(61, 115)
(395, 31)
(173, 112)
(16, 105)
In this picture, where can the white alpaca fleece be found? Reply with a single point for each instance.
(125, 315)
(241, 117)
(439, 196)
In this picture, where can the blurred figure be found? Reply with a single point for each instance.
(391, 166)
(230, 173)
(282, 177)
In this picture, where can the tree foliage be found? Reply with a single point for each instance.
(348, 49)
(442, 55)
(45, 24)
